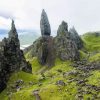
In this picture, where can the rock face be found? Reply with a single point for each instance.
(44, 24)
(66, 48)
(46, 44)
(46, 51)
(76, 38)
(11, 57)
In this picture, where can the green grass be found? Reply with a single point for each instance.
(95, 78)
(48, 90)
(95, 57)
(82, 54)
(51, 76)
(91, 42)
(46, 83)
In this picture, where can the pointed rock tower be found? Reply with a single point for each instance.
(46, 44)
(66, 49)
(11, 57)
(44, 24)
(13, 31)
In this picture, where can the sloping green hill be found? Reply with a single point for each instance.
(91, 45)
(92, 41)
(61, 82)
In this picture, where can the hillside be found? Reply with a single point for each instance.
(92, 45)
(64, 67)
(61, 82)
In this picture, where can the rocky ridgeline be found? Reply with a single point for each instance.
(11, 57)
(64, 46)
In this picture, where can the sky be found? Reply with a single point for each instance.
(82, 14)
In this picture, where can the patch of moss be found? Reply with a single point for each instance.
(82, 54)
(95, 78)
(91, 42)
(54, 92)
(95, 57)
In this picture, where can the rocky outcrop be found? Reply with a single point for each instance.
(46, 44)
(66, 48)
(44, 24)
(11, 57)
(43, 47)
(46, 51)
(76, 38)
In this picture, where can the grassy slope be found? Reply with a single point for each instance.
(47, 85)
(92, 46)
(91, 42)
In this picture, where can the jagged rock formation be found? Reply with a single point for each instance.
(11, 57)
(76, 38)
(46, 51)
(65, 45)
(66, 48)
(43, 48)
(44, 24)
(46, 46)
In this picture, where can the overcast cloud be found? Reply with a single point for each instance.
(83, 14)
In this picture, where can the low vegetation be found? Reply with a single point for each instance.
(61, 82)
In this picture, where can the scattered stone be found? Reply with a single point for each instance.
(39, 84)
(31, 83)
(18, 88)
(60, 82)
(19, 81)
(36, 94)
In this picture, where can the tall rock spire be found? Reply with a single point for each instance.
(46, 44)
(13, 32)
(11, 57)
(44, 24)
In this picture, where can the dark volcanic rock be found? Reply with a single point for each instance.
(46, 48)
(11, 57)
(43, 48)
(60, 82)
(66, 48)
(76, 38)
(44, 24)
(46, 51)
(45, 45)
